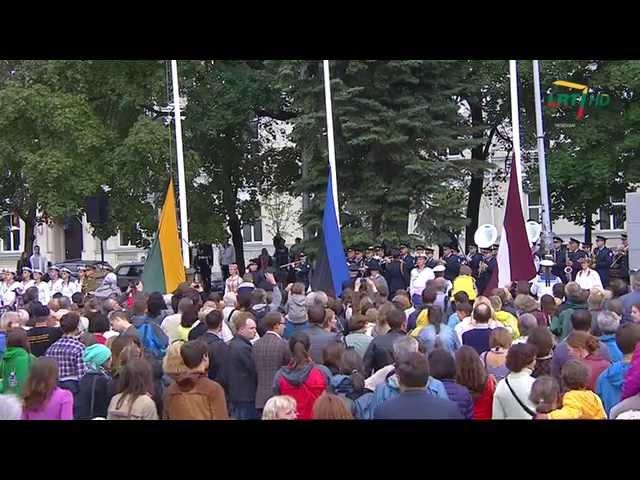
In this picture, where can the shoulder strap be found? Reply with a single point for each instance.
(524, 407)
(93, 395)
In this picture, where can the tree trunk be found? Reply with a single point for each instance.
(587, 225)
(230, 202)
(307, 153)
(29, 233)
(236, 235)
(476, 185)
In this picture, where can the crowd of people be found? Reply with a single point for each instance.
(409, 337)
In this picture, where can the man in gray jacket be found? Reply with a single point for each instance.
(318, 336)
(227, 257)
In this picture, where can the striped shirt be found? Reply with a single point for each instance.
(68, 353)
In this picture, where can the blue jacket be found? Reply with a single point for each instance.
(418, 405)
(609, 384)
(459, 394)
(449, 340)
(453, 320)
(3, 343)
(612, 346)
(367, 403)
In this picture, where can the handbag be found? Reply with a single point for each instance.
(524, 407)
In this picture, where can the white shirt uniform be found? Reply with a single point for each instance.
(43, 292)
(25, 285)
(69, 289)
(55, 286)
(587, 279)
(8, 293)
(419, 279)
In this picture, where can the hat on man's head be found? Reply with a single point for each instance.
(600, 237)
(623, 236)
(428, 250)
(350, 249)
(438, 268)
(404, 245)
(246, 287)
(584, 259)
(420, 247)
(557, 239)
(574, 240)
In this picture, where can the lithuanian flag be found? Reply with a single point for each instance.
(163, 270)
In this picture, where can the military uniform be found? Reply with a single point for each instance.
(575, 257)
(560, 259)
(604, 257)
(452, 266)
(485, 277)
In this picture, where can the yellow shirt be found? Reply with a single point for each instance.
(421, 322)
(464, 283)
(509, 322)
(580, 405)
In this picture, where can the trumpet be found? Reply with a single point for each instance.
(292, 264)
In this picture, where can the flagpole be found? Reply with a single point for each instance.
(542, 162)
(182, 193)
(515, 124)
(332, 150)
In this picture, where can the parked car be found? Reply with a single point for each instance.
(128, 272)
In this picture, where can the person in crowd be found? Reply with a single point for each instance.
(227, 259)
(10, 407)
(295, 309)
(171, 323)
(628, 409)
(68, 286)
(193, 396)
(216, 346)
(608, 324)
(270, 353)
(635, 313)
(15, 363)
(508, 321)
(548, 308)
(631, 384)
(420, 317)
(478, 336)
(578, 402)
(588, 278)
(511, 399)
(357, 337)
(98, 326)
(463, 310)
(542, 339)
(442, 290)
(380, 351)
(575, 300)
(43, 287)
(330, 407)
(188, 319)
(37, 261)
(632, 298)
(443, 367)
(419, 277)
(172, 364)
(133, 400)
(96, 386)
(527, 304)
(42, 398)
(438, 334)
(526, 323)
(559, 296)
(414, 402)
(155, 310)
(465, 283)
(318, 336)
(609, 383)
(349, 381)
(596, 303)
(108, 289)
(495, 359)
(68, 352)
(545, 280)
(120, 323)
(301, 379)
(280, 407)
(25, 281)
(585, 347)
(241, 377)
(396, 272)
(545, 395)
(471, 373)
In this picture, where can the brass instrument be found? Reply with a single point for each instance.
(292, 264)
(568, 269)
(482, 267)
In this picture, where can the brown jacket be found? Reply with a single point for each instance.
(194, 397)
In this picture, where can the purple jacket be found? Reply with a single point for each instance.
(459, 394)
(631, 385)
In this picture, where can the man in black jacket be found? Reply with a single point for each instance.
(380, 351)
(318, 336)
(215, 345)
(240, 371)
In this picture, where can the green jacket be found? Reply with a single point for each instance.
(16, 361)
(561, 324)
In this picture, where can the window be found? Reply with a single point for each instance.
(535, 208)
(10, 239)
(252, 232)
(613, 218)
(127, 237)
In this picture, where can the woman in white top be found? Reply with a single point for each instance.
(26, 279)
(68, 286)
(511, 398)
(134, 401)
(9, 287)
(587, 278)
(55, 283)
(419, 278)
(43, 287)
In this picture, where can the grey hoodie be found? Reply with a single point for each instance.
(296, 308)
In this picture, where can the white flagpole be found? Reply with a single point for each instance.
(182, 193)
(515, 124)
(332, 150)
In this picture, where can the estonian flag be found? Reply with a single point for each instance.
(330, 272)
(163, 270)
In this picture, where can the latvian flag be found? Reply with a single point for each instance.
(515, 260)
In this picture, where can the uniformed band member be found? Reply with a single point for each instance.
(409, 262)
(620, 263)
(302, 270)
(559, 259)
(573, 257)
(451, 262)
(488, 264)
(474, 257)
(431, 262)
(604, 257)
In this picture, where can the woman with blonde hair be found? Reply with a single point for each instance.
(505, 318)
(172, 363)
(595, 304)
(280, 407)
